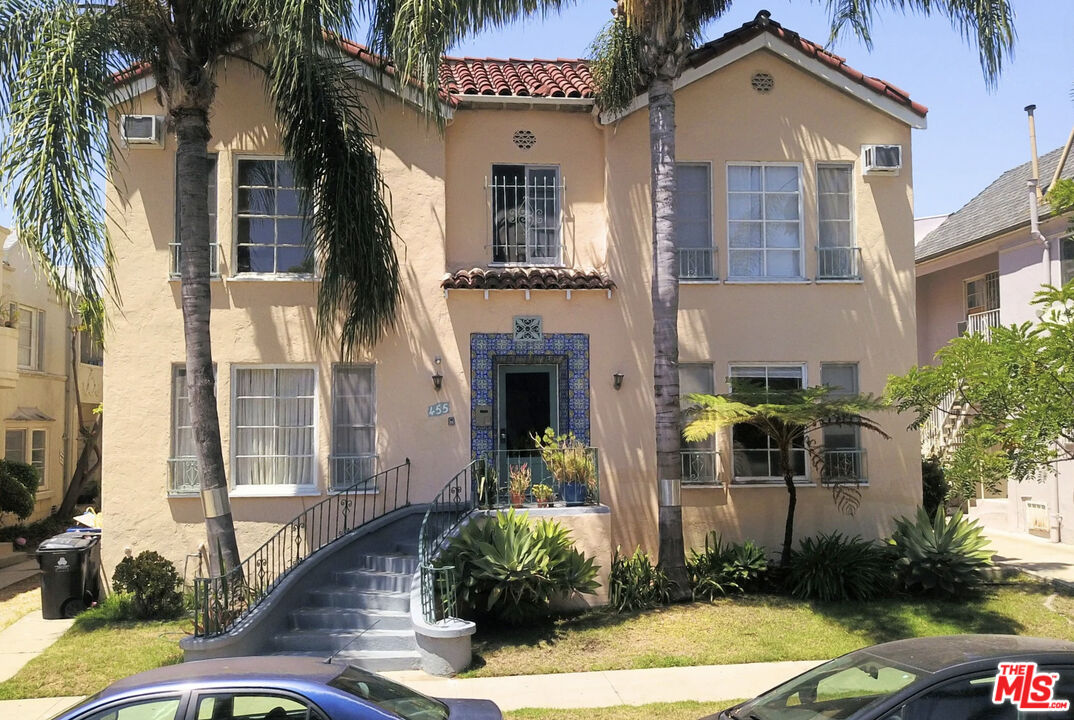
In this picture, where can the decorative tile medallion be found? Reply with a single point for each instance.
(569, 351)
(528, 328)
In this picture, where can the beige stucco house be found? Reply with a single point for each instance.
(524, 235)
(38, 339)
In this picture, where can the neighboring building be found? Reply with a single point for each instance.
(924, 225)
(980, 268)
(525, 238)
(37, 386)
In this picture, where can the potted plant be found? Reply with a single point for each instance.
(543, 494)
(570, 463)
(519, 483)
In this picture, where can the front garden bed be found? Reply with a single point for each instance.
(761, 628)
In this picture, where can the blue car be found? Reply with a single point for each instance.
(269, 688)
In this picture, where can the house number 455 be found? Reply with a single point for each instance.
(439, 409)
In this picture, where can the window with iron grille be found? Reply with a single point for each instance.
(354, 429)
(214, 246)
(699, 463)
(756, 456)
(843, 454)
(274, 233)
(693, 222)
(526, 202)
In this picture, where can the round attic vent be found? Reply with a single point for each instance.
(762, 82)
(525, 139)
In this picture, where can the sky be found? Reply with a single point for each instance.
(973, 134)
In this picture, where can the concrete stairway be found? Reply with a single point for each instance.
(362, 611)
(16, 566)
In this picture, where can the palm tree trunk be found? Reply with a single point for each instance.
(665, 293)
(192, 131)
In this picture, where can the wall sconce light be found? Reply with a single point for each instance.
(617, 380)
(438, 378)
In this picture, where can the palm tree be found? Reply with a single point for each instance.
(59, 64)
(644, 50)
(792, 419)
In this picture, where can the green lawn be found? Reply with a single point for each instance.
(655, 711)
(86, 659)
(760, 628)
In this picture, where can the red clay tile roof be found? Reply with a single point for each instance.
(519, 78)
(527, 279)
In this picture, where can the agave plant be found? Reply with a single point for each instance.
(513, 569)
(940, 555)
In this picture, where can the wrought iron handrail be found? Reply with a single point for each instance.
(222, 601)
(446, 512)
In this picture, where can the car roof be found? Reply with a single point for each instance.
(287, 669)
(933, 654)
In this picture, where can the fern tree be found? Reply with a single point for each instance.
(792, 419)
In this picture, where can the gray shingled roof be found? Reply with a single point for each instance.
(1000, 207)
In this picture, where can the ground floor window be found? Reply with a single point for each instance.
(699, 466)
(844, 458)
(27, 446)
(273, 416)
(756, 456)
(354, 434)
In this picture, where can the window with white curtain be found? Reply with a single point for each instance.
(764, 226)
(273, 413)
(354, 433)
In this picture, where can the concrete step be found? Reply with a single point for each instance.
(374, 580)
(393, 563)
(9, 556)
(336, 618)
(338, 596)
(376, 661)
(328, 641)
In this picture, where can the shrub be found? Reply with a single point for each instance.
(934, 487)
(512, 569)
(834, 567)
(18, 488)
(154, 584)
(635, 583)
(36, 531)
(941, 555)
(723, 569)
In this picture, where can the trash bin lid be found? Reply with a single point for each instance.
(66, 542)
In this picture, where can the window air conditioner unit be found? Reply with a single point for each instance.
(881, 159)
(961, 327)
(142, 130)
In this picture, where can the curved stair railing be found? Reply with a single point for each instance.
(221, 602)
(445, 514)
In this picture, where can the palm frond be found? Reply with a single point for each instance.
(56, 64)
(616, 65)
(698, 13)
(325, 131)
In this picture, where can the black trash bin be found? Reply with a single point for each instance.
(70, 573)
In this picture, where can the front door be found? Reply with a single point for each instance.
(528, 403)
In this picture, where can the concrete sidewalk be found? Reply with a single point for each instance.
(1036, 556)
(24, 640)
(711, 683)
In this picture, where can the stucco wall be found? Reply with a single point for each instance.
(941, 302)
(441, 213)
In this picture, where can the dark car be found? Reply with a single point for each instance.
(277, 687)
(938, 678)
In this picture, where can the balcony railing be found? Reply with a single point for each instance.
(183, 477)
(981, 323)
(844, 465)
(502, 462)
(838, 263)
(349, 470)
(697, 264)
(700, 467)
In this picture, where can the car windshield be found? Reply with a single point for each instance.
(836, 689)
(388, 695)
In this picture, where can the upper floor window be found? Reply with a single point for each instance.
(274, 234)
(764, 223)
(214, 245)
(756, 455)
(982, 293)
(1066, 255)
(31, 324)
(693, 222)
(838, 257)
(526, 202)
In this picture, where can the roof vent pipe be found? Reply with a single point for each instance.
(1062, 160)
(1033, 144)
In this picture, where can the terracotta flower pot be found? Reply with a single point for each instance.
(517, 499)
